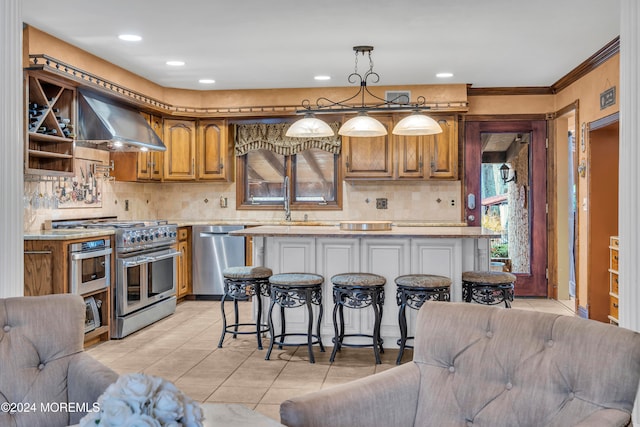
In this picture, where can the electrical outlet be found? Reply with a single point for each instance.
(126, 205)
(453, 202)
(381, 203)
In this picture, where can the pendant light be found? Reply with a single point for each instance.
(364, 125)
(417, 124)
(309, 127)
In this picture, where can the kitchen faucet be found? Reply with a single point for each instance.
(287, 207)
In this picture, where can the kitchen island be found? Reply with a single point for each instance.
(328, 250)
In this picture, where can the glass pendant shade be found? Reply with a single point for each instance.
(362, 125)
(309, 127)
(417, 124)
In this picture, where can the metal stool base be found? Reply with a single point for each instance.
(241, 290)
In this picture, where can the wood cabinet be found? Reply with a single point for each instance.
(443, 150)
(142, 165)
(180, 157)
(184, 262)
(426, 157)
(196, 150)
(369, 157)
(613, 280)
(50, 116)
(213, 151)
(46, 272)
(429, 156)
(150, 163)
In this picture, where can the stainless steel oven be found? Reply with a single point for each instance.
(146, 275)
(90, 266)
(144, 279)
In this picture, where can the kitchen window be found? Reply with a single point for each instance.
(273, 166)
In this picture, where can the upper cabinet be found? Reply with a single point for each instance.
(369, 157)
(196, 150)
(180, 157)
(403, 157)
(49, 119)
(150, 162)
(213, 151)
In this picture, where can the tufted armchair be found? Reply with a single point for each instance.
(44, 372)
(475, 365)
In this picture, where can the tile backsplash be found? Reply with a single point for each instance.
(200, 201)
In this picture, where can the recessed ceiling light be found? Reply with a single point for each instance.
(130, 37)
(175, 63)
(322, 77)
(444, 75)
(206, 81)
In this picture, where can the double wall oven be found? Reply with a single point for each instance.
(145, 270)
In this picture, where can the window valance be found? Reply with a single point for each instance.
(271, 136)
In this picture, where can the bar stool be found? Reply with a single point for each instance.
(412, 291)
(357, 290)
(290, 290)
(240, 283)
(488, 287)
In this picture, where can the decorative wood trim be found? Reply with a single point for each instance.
(594, 61)
(525, 90)
(504, 118)
(604, 121)
(141, 101)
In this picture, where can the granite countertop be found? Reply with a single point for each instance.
(303, 227)
(396, 231)
(68, 234)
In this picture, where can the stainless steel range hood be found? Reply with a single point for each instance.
(105, 125)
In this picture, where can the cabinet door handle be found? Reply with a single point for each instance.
(615, 305)
(37, 252)
(347, 162)
(221, 165)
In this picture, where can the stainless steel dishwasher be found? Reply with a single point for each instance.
(213, 251)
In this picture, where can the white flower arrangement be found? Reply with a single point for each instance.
(140, 400)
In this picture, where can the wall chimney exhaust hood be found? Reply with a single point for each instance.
(105, 125)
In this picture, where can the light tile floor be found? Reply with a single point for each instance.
(183, 348)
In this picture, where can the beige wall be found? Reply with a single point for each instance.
(587, 91)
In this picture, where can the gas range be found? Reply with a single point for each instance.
(130, 236)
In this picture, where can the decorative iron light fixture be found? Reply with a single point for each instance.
(504, 174)
(363, 124)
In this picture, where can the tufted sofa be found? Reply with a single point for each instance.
(475, 365)
(44, 373)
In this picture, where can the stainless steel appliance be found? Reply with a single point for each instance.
(145, 270)
(90, 266)
(213, 251)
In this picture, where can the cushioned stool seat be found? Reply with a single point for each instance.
(413, 290)
(488, 287)
(357, 290)
(240, 283)
(290, 290)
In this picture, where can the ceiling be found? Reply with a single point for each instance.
(285, 43)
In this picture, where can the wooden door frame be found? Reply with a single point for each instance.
(535, 282)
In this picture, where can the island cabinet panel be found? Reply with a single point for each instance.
(388, 257)
(337, 256)
(184, 285)
(179, 159)
(368, 157)
(212, 151)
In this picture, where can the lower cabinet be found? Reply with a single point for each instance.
(47, 271)
(184, 262)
